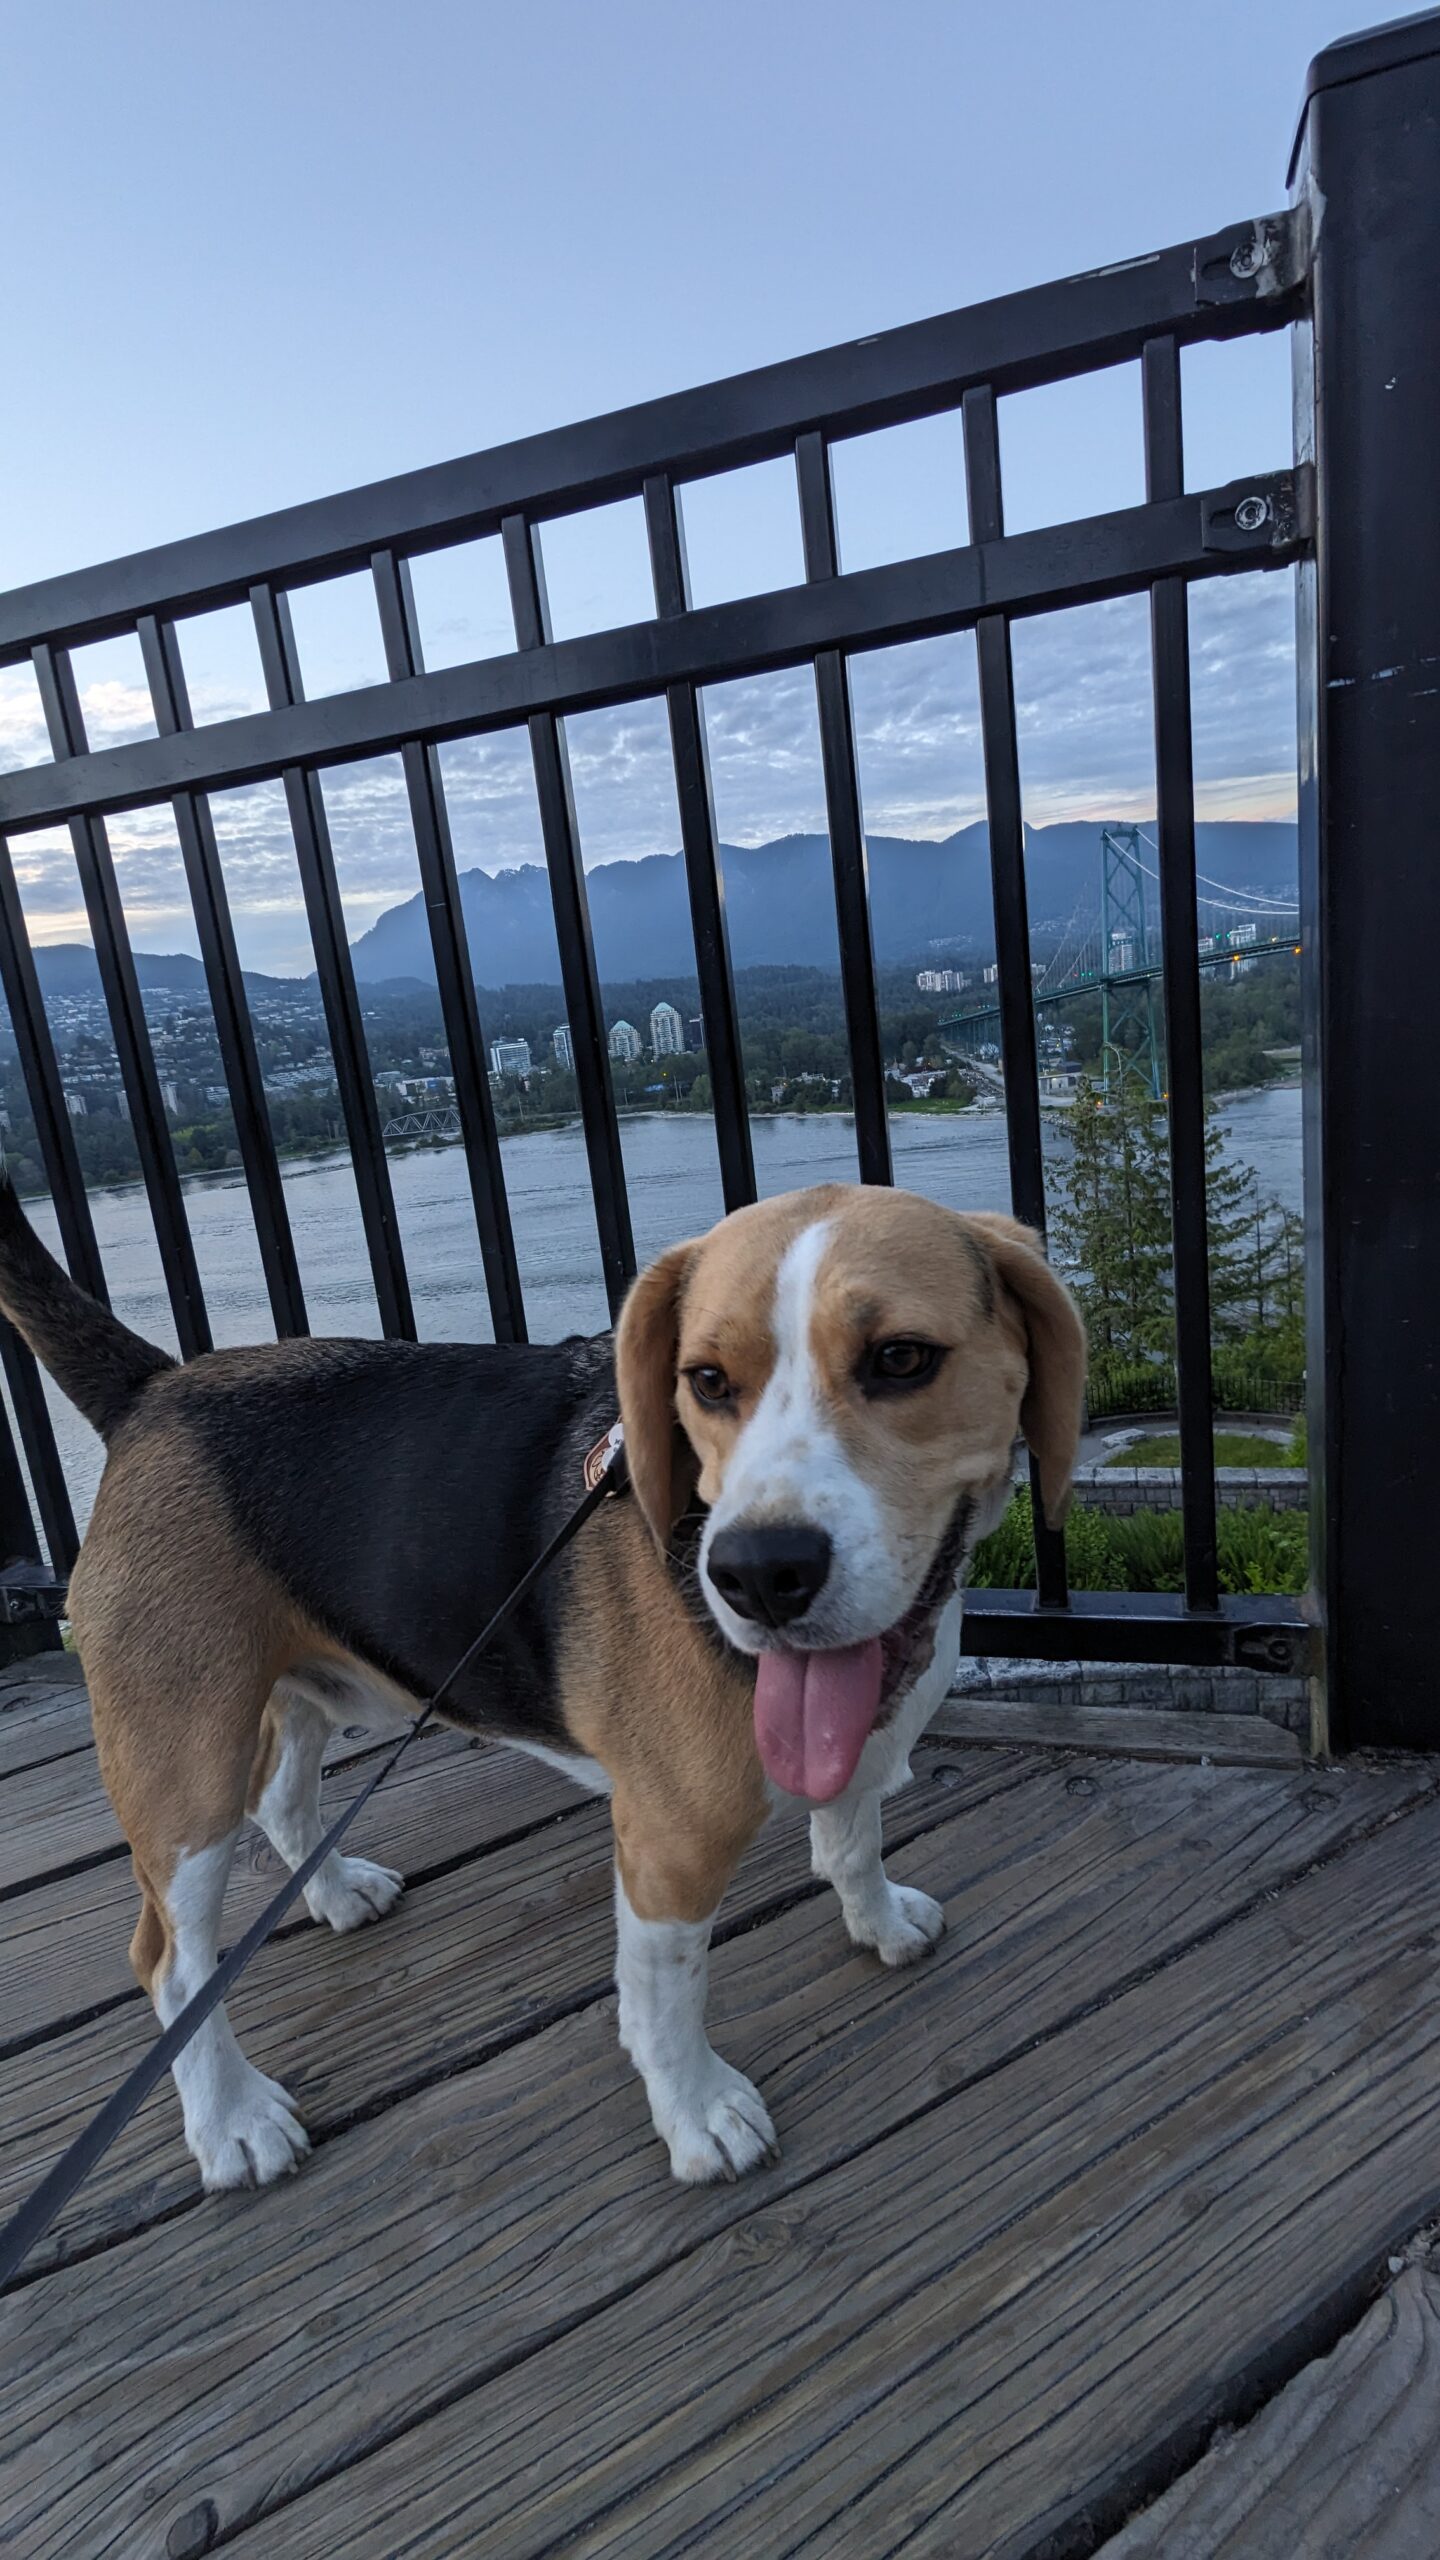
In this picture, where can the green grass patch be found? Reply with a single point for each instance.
(1232, 1449)
(1260, 1550)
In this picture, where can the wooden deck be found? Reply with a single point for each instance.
(1132, 2147)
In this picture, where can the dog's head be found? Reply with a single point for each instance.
(843, 1373)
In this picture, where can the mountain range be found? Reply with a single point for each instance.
(925, 898)
(779, 902)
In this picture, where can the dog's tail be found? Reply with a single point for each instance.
(94, 1359)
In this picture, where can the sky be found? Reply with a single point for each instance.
(267, 251)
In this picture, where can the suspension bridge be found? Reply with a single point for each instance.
(1112, 948)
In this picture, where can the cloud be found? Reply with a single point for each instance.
(1084, 718)
(23, 739)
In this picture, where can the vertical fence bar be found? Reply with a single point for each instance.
(19, 1544)
(703, 875)
(125, 1005)
(56, 1141)
(37, 1433)
(847, 828)
(1006, 828)
(1175, 813)
(561, 834)
(280, 660)
(455, 976)
(1368, 397)
(170, 698)
(53, 1131)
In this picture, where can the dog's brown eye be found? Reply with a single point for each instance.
(710, 1384)
(900, 1364)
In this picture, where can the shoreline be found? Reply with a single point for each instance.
(319, 1156)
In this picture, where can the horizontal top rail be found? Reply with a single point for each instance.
(1247, 277)
(1256, 523)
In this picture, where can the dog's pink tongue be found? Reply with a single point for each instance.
(813, 1713)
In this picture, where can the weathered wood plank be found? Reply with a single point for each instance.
(473, 1960)
(236, 2356)
(975, 2334)
(36, 1726)
(53, 1817)
(1128, 1733)
(42, 1672)
(1345, 2460)
(63, 1944)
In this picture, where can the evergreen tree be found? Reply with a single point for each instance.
(1112, 1233)
(1231, 1206)
(1113, 1225)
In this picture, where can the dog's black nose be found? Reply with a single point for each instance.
(770, 1575)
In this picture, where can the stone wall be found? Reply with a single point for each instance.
(1284, 1700)
(1125, 1489)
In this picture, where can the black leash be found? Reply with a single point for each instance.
(605, 1474)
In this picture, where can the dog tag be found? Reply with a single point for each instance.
(603, 1456)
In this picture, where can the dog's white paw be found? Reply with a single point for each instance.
(906, 1927)
(348, 1892)
(253, 2140)
(717, 2130)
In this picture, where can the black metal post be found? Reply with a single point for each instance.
(126, 1008)
(454, 974)
(848, 857)
(41, 1071)
(170, 698)
(560, 830)
(703, 875)
(280, 660)
(1185, 1084)
(1368, 385)
(1006, 828)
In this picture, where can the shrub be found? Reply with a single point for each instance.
(1241, 1385)
(1263, 1550)
(1259, 1551)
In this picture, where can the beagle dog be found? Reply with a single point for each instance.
(820, 1401)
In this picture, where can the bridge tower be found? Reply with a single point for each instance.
(1128, 1044)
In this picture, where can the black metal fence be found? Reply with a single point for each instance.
(1367, 201)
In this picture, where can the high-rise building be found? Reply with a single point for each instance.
(510, 1057)
(667, 1032)
(695, 1032)
(564, 1048)
(625, 1042)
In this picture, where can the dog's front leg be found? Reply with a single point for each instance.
(711, 2118)
(897, 1920)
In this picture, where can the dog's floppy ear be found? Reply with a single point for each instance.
(1052, 1406)
(647, 1345)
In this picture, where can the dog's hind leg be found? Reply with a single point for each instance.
(285, 1801)
(182, 1637)
(241, 2126)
